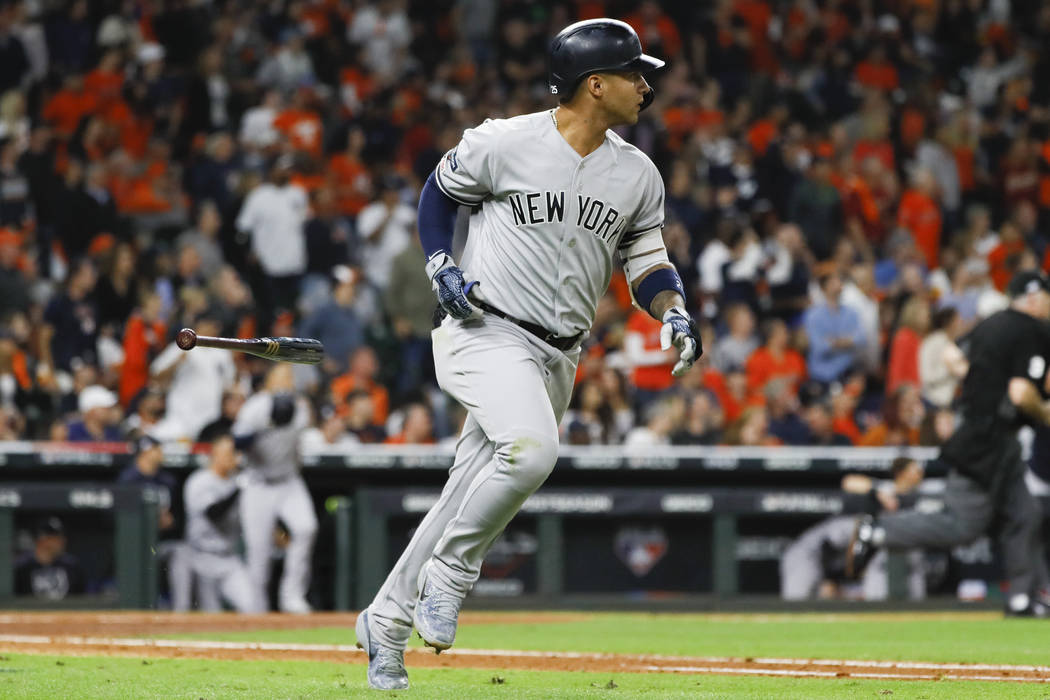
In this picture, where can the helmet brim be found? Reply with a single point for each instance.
(646, 63)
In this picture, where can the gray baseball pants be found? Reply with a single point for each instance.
(515, 388)
(802, 566)
(970, 510)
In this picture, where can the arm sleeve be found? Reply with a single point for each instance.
(465, 173)
(1028, 358)
(253, 416)
(436, 218)
(816, 331)
(246, 219)
(165, 359)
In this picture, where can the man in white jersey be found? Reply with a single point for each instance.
(555, 196)
(213, 532)
(268, 428)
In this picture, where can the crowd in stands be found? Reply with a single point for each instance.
(850, 186)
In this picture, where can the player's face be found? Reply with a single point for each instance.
(1042, 304)
(624, 93)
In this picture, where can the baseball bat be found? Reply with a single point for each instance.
(304, 351)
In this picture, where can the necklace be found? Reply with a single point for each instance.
(554, 116)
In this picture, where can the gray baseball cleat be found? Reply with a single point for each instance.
(436, 615)
(386, 665)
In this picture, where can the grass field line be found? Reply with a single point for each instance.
(74, 640)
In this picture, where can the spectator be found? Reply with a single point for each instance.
(941, 364)
(196, 382)
(146, 412)
(273, 215)
(788, 274)
(49, 572)
(650, 366)
(336, 324)
(204, 239)
(116, 292)
(99, 416)
(859, 293)
(361, 374)
(782, 407)
(330, 433)
(834, 332)
(417, 427)
(820, 426)
(902, 417)
(289, 66)
(703, 421)
(74, 317)
(751, 429)
(662, 419)
(385, 228)
(904, 350)
(361, 420)
(587, 419)
(775, 360)
(14, 287)
(232, 400)
(817, 209)
(384, 31)
(145, 470)
(735, 348)
(920, 214)
(409, 303)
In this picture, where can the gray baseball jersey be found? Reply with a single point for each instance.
(202, 489)
(275, 452)
(547, 222)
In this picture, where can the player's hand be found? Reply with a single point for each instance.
(679, 330)
(451, 289)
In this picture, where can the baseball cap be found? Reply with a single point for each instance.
(50, 525)
(95, 396)
(1027, 282)
(145, 442)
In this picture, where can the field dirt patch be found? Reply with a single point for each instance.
(121, 634)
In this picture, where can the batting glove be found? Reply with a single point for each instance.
(448, 284)
(679, 329)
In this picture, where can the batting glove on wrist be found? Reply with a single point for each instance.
(679, 329)
(446, 279)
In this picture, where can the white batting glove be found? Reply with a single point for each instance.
(679, 329)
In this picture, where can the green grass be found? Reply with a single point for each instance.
(23, 677)
(980, 638)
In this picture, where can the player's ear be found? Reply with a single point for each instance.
(595, 84)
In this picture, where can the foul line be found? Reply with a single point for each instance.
(711, 664)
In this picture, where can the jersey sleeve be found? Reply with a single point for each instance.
(253, 416)
(465, 173)
(650, 212)
(1030, 357)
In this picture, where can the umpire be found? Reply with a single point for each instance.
(1004, 387)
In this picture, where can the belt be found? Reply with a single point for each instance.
(561, 343)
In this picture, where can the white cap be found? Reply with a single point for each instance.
(95, 396)
(150, 51)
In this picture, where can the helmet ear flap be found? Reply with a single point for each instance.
(647, 99)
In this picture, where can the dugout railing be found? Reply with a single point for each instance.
(365, 488)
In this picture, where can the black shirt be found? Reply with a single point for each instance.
(52, 581)
(1007, 344)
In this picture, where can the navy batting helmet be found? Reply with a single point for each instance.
(595, 46)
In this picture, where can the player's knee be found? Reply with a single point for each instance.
(530, 458)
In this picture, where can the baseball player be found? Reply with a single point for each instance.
(555, 197)
(213, 531)
(1006, 384)
(820, 550)
(267, 429)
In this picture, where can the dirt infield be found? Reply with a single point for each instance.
(123, 634)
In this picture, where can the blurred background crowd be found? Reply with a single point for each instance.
(850, 186)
